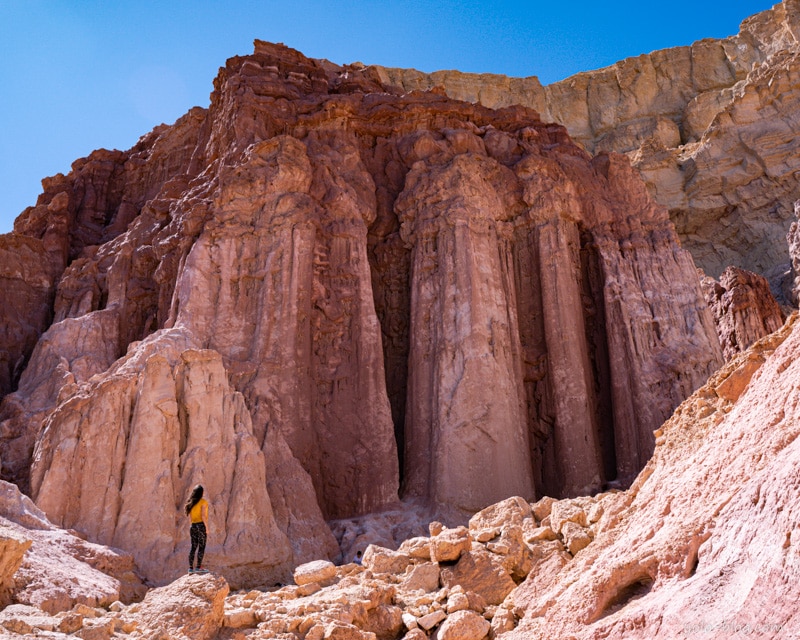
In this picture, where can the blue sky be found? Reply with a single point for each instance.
(80, 75)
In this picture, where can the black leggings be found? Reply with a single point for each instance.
(197, 533)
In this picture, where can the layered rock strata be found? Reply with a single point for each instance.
(744, 309)
(318, 289)
(711, 128)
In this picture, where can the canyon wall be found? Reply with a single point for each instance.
(711, 128)
(320, 295)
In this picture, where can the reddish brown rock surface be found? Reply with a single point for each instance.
(319, 293)
(743, 307)
(711, 127)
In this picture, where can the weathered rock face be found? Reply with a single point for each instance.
(191, 608)
(711, 127)
(710, 520)
(317, 289)
(28, 280)
(163, 421)
(53, 570)
(744, 309)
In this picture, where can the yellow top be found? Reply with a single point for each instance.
(199, 512)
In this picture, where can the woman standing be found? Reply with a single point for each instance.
(197, 510)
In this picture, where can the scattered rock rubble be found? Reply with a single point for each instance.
(452, 585)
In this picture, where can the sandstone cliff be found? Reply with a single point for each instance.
(318, 295)
(711, 127)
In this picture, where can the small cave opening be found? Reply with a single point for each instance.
(623, 595)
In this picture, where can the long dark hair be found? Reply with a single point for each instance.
(197, 493)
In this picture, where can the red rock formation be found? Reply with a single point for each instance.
(744, 309)
(28, 283)
(711, 127)
(275, 295)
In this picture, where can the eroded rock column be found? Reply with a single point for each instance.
(576, 450)
(466, 438)
(280, 284)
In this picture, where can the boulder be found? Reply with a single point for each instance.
(418, 548)
(480, 571)
(430, 620)
(26, 620)
(564, 511)
(448, 545)
(542, 507)
(191, 608)
(575, 537)
(464, 625)
(315, 571)
(380, 560)
(509, 512)
(421, 577)
(457, 602)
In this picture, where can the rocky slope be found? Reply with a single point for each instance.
(297, 297)
(703, 544)
(711, 127)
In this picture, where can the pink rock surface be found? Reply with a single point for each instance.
(177, 423)
(704, 542)
(56, 569)
(190, 608)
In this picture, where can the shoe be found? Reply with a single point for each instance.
(201, 570)
(191, 570)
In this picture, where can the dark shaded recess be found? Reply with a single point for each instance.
(390, 267)
(625, 594)
(538, 392)
(595, 321)
(390, 264)
(14, 361)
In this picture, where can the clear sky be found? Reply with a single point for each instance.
(83, 74)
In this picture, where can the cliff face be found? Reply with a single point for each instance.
(711, 128)
(318, 295)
